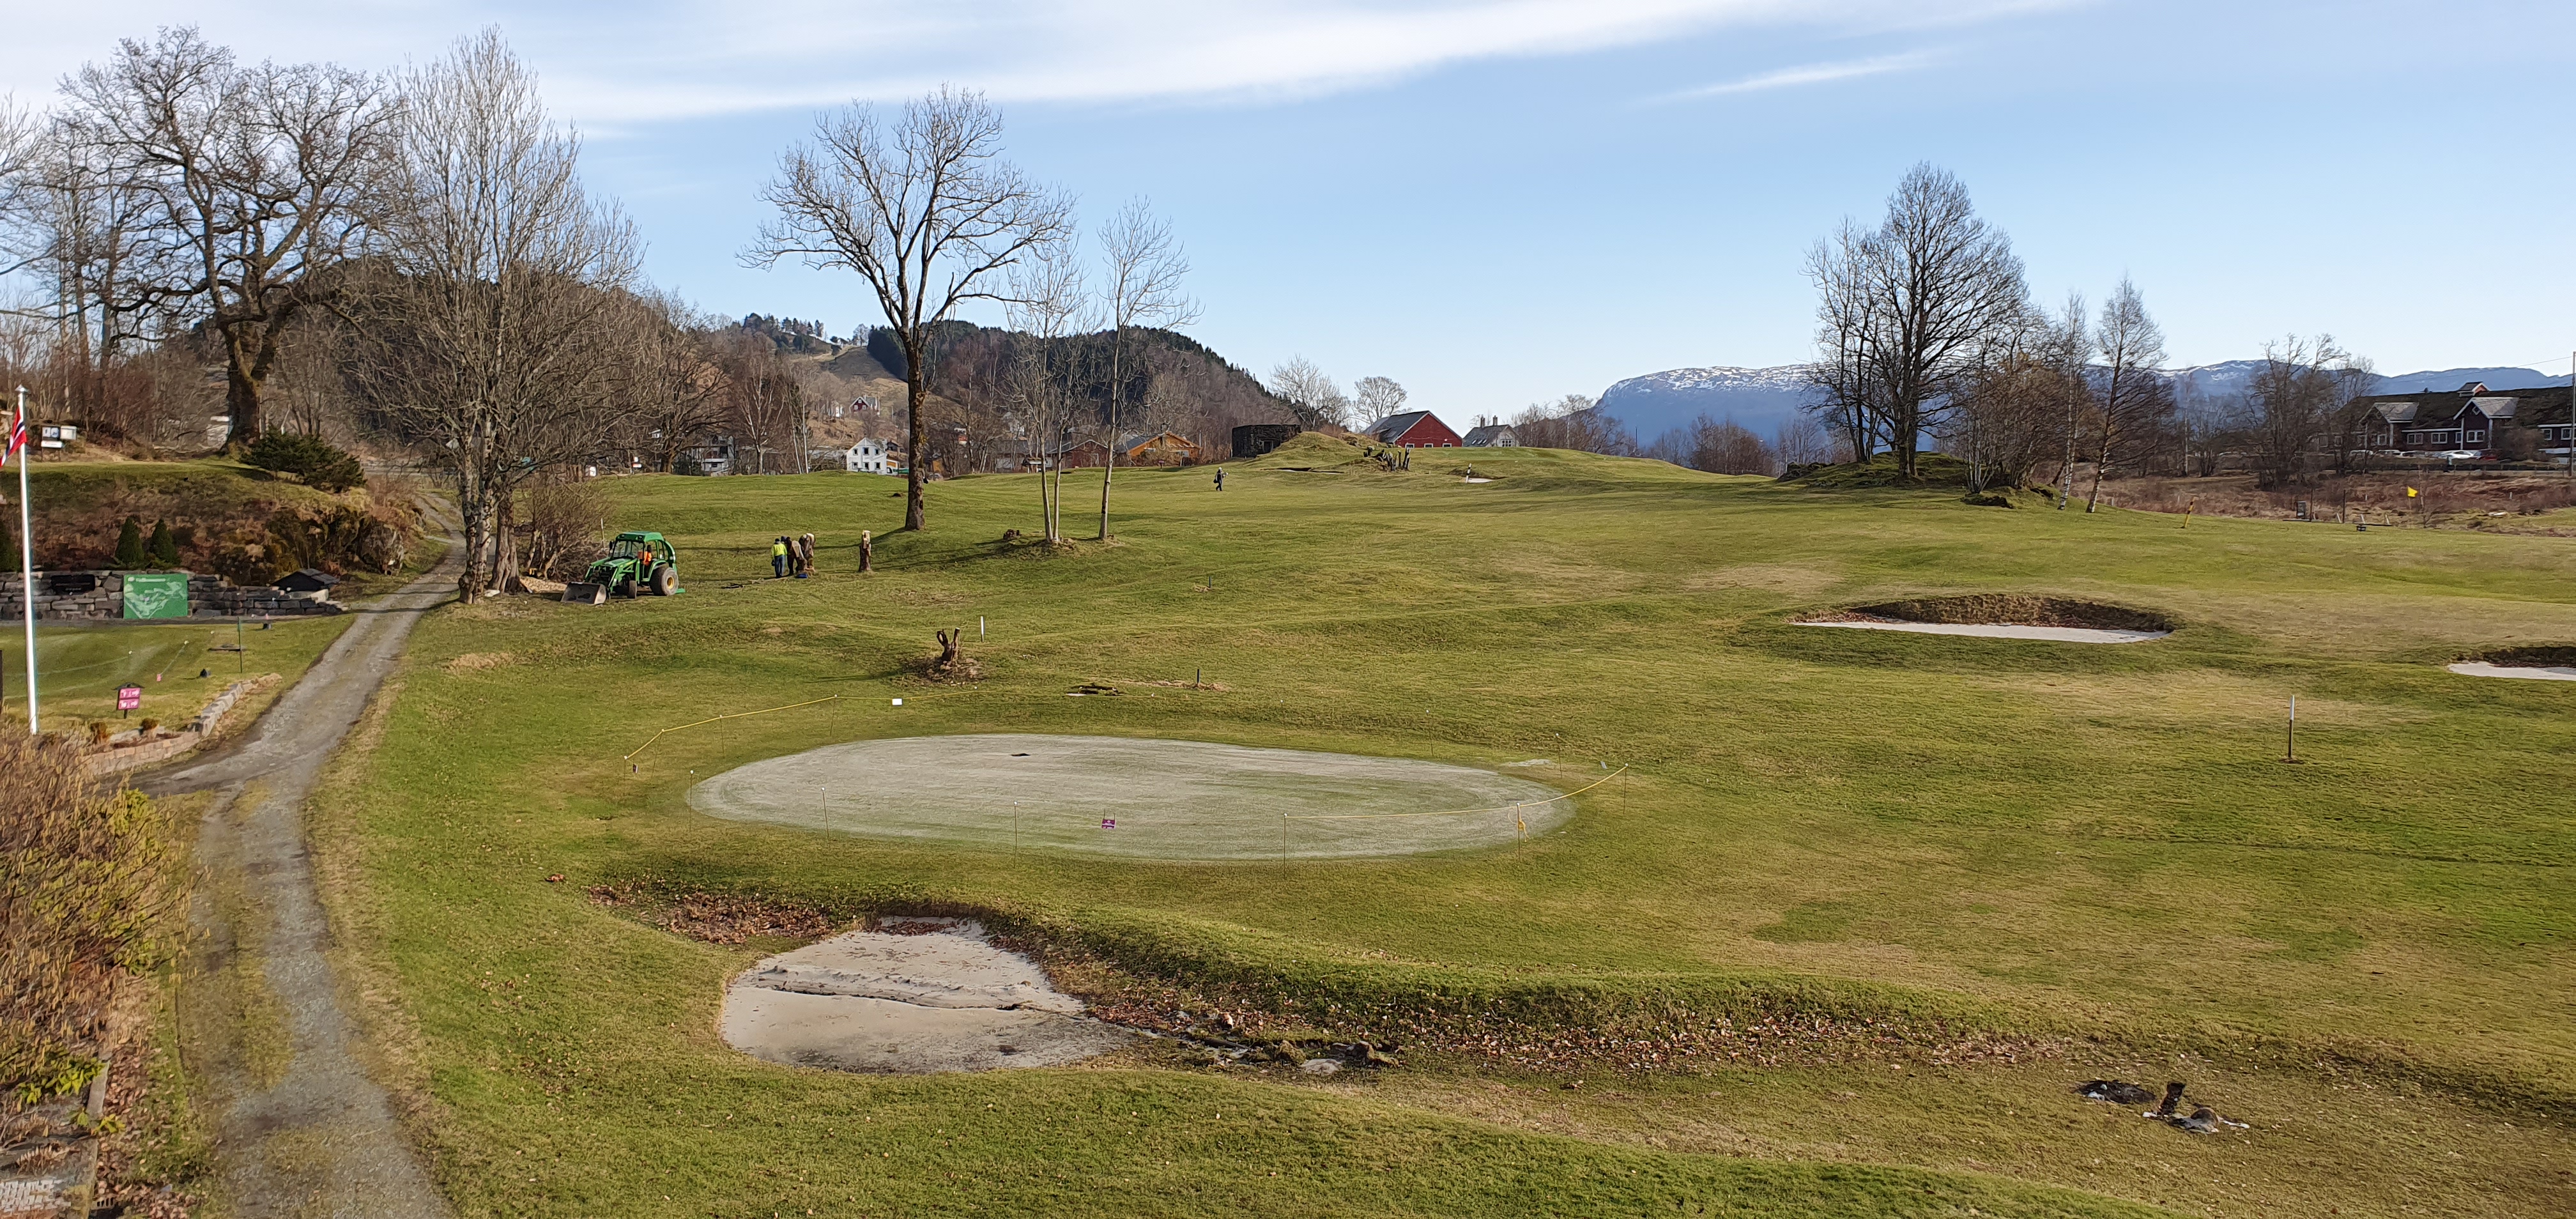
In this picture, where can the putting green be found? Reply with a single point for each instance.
(1141, 798)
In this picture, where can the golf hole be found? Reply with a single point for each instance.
(2005, 616)
(1142, 799)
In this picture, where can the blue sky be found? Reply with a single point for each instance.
(1496, 203)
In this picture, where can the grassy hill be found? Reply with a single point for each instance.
(1860, 911)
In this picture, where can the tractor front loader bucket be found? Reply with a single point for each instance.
(586, 594)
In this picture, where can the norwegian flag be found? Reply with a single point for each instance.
(17, 433)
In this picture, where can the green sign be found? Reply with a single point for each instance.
(156, 594)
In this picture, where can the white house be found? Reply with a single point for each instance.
(868, 457)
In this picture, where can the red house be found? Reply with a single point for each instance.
(1414, 430)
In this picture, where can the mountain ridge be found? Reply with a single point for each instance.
(1762, 399)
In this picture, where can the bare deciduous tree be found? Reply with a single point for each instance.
(1728, 447)
(257, 182)
(1049, 306)
(1576, 422)
(675, 387)
(1909, 309)
(2133, 401)
(491, 335)
(2007, 417)
(2064, 350)
(1310, 395)
(2292, 395)
(1141, 270)
(1377, 397)
(925, 210)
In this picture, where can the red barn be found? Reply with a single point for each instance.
(1414, 430)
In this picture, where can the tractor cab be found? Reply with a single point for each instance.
(637, 545)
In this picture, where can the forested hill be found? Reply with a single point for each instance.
(1172, 380)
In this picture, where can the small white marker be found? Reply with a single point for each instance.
(898, 702)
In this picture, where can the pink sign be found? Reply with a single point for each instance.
(1109, 823)
(129, 697)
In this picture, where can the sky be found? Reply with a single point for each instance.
(1497, 202)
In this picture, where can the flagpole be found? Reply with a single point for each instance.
(26, 554)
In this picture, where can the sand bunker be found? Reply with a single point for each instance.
(2006, 616)
(1137, 798)
(2529, 663)
(2480, 668)
(927, 996)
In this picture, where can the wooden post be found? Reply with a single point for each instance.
(2292, 753)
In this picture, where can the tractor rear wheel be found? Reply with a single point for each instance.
(664, 579)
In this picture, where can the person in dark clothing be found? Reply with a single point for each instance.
(1220, 478)
(867, 554)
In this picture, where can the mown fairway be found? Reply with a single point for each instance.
(2093, 852)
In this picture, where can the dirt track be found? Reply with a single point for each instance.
(317, 1136)
(1138, 798)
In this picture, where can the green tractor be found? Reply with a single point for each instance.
(637, 562)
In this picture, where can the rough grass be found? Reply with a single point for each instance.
(2091, 850)
(80, 668)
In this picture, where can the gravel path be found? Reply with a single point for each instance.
(317, 1138)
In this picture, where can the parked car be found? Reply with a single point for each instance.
(2459, 455)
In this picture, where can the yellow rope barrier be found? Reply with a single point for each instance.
(1458, 812)
(735, 716)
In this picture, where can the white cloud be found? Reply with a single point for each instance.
(1810, 74)
(609, 63)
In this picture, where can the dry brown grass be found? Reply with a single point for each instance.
(2379, 498)
(86, 879)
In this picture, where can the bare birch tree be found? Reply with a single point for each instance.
(2133, 399)
(2065, 353)
(493, 335)
(258, 182)
(925, 210)
(1141, 273)
(1049, 308)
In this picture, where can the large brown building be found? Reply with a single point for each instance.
(2514, 424)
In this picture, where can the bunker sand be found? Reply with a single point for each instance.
(935, 996)
(1996, 630)
(1136, 798)
(2480, 668)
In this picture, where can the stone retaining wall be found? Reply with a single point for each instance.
(131, 749)
(208, 596)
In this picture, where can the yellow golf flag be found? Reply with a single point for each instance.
(2410, 492)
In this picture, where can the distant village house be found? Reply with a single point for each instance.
(1492, 436)
(1414, 430)
(1161, 449)
(2510, 424)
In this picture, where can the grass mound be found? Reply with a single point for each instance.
(2011, 609)
(1308, 451)
(1930, 470)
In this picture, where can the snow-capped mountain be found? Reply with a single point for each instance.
(2231, 377)
(1761, 398)
(1758, 398)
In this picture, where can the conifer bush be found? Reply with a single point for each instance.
(129, 544)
